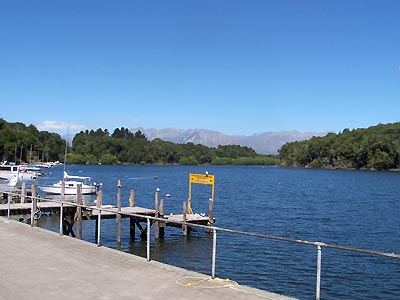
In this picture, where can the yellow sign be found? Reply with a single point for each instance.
(202, 178)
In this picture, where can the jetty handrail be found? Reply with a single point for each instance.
(211, 228)
(248, 233)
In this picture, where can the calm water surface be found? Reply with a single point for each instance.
(350, 208)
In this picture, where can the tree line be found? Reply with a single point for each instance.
(22, 144)
(124, 146)
(376, 147)
(373, 148)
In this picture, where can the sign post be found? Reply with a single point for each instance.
(200, 179)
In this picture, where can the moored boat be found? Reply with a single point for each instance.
(8, 185)
(8, 171)
(71, 182)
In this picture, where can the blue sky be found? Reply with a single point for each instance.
(238, 67)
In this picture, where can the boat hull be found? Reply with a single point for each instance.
(8, 185)
(56, 190)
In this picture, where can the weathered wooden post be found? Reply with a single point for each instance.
(210, 214)
(79, 201)
(132, 219)
(99, 199)
(132, 227)
(161, 214)
(62, 208)
(184, 227)
(9, 199)
(156, 223)
(132, 198)
(34, 206)
(118, 214)
(98, 220)
(63, 190)
(34, 191)
(23, 192)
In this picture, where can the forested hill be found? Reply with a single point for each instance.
(123, 146)
(373, 148)
(22, 144)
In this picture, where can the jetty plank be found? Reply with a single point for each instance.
(61, 267)
(189, 218)
(125, 210)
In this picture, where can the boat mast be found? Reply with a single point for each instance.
(30, 156)
(20, 154)
(65, 153)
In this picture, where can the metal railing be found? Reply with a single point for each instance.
(214, 229)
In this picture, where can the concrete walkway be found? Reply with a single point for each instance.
(37, 264)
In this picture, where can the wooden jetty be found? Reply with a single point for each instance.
(74, 213)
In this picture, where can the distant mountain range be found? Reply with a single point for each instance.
(262, 143)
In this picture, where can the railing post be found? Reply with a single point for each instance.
(214, 253)
(61, 218)
(118, 217)
(98, 205)
(156, 223)
(148, 239)
(98, 227)
(319, 258)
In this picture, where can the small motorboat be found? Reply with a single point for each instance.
(8, 185)
(71, 182)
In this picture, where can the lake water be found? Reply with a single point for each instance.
(350, 208)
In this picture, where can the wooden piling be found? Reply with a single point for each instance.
(184, 227)
(9, 203)
(63, 190)
(132, 227)
(132, 219)
(33, 212)
(23, 192)
(34, 206)
(99, 199)
(34, 190)
(161, 214)
(79, 201)
(132, 198)
(210, 211)
(210, 214)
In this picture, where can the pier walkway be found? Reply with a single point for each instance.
(38, 264)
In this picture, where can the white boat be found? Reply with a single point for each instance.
(71, 183)
(30, 167)
(8, 172)
(8, 185)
